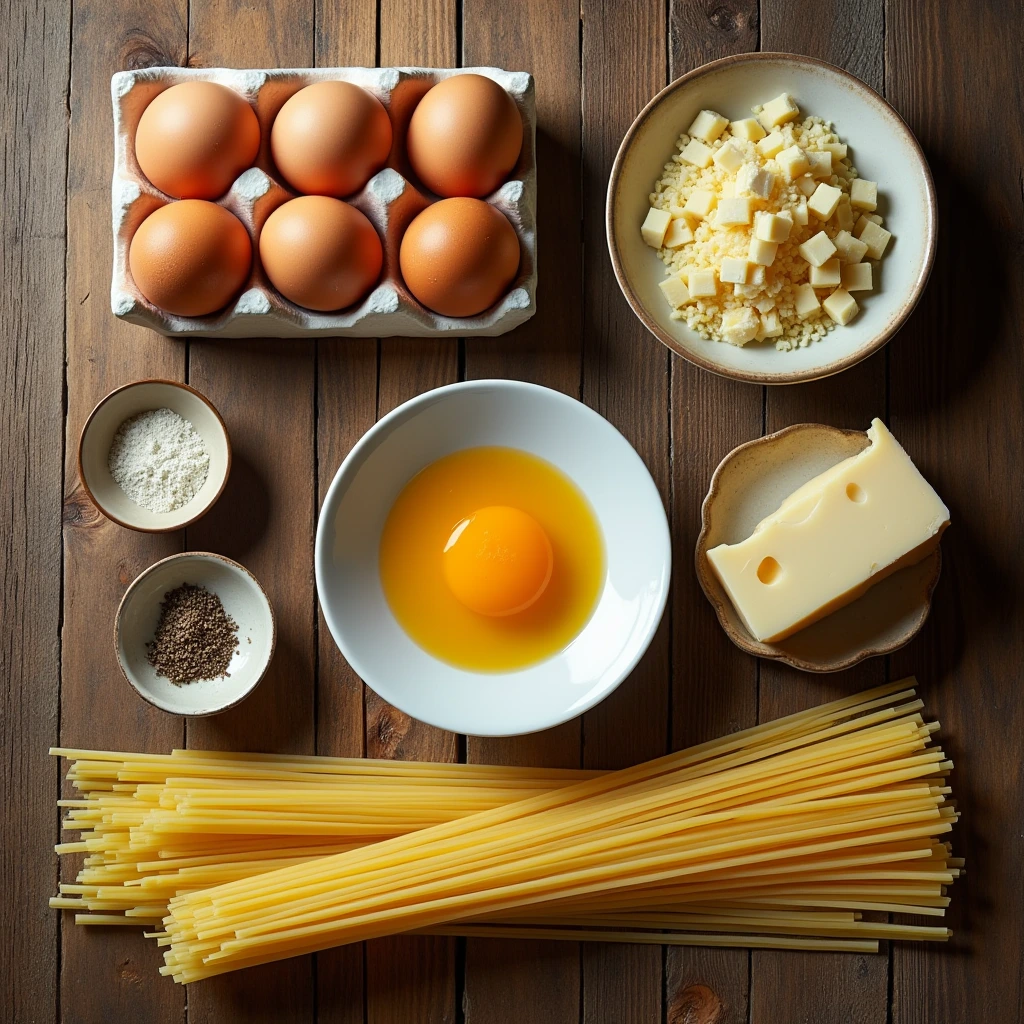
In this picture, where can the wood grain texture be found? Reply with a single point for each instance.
(32, 286)
(714, 685)
(106, 974)
(622, 983)
(823, 987)
(346, 403)
(266, 392)
(412, 978)
(957, 410)
(515, 981)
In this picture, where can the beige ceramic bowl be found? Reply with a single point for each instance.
(750, 483)
(243, 599)
(882, 148)
(98, 433)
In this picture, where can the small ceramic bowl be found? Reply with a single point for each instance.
(882, 148)
(128, 401)
(243, 599)
(584, 446)
(750, 483)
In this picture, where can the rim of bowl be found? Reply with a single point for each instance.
(154, 529)
(798, 376)
(738, 635)
(357, 455)
(184, 556)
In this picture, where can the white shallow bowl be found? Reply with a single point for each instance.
(98, 433)
(584, 446)
(882, 148)
(243, 599)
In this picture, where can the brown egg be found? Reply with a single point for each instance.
(195, 138)
(459, 256)
(321, 253)
(465, 136)
(330, 138)
(190, 258)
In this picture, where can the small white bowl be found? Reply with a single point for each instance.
(98, 433)
(243, 599)
(584, 446)
(882, 148)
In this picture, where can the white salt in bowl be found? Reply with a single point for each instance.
(98, 434)
(243, 598)
(882, 148)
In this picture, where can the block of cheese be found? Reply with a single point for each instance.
(831, 540)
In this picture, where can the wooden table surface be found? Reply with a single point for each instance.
(949, 385)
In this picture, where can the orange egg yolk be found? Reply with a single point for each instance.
(498, 561)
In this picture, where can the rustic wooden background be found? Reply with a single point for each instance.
(950, 385)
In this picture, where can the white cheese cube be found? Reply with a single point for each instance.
(875, 238)
(831, 540)
(856, 277)
(762, 252)
(778, 111)
(817, 249)
(701, 283)
(827, 275)
(864, 193)
(850, 249)
(771, 325)
(844, 215)
(793, 162)
(696, 153)
(806, 301)
(675, 291)
(733, 270)
(756, 180)
(740, 325)
(746, 291)
(838, 150)
(824, 201)
(733, 211)
(866, 218)
(800, 213)
(771, 145)
(821, 165)
(728, 157)
(765, 303)
(770, 227)
(654, 227)
(841, 306)
(707, 126)
(700, 203)
(676, 210)
(678, 234)
(727, 189)
(806, 185)
(748, 129)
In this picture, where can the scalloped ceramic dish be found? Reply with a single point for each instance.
(750, 483)
(390, 200)
(883, 149)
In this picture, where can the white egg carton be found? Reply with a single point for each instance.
(390, 200)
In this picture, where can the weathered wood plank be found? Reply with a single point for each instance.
(714, 686)
(823, 987)
(265, 518)
(346, 404)
(957, 375)
(625, 378)
(36, 44)
(412, 978)
(514, 981)
(107, 974)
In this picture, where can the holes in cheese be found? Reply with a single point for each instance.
(827, 543)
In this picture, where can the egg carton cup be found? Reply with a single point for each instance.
(391, 199)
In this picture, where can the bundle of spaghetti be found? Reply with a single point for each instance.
(837, 806)
(156, 825)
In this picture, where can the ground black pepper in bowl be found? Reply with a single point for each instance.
(195, 637)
